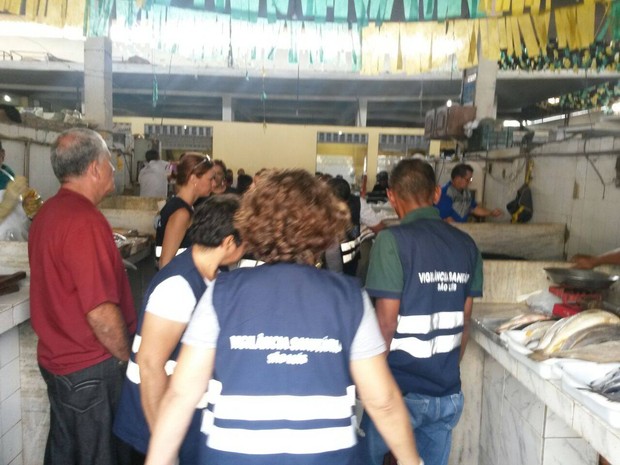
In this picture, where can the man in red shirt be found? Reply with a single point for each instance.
(81, 305)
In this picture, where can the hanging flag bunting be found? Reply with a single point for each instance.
(541, 25)
(585, 23)
(320, 11)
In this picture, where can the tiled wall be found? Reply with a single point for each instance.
(10, 399)
(567, 189)
(517, 428)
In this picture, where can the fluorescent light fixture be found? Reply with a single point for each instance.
(7, 98)
(553, 100)
(449, 103)
(615, 107)
(511, 123)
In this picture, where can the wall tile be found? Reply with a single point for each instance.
(10, 412)
(9, 374)
(9, 346)
(564, 451)
(11, 444)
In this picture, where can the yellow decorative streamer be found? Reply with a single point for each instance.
(585, 23)
(516, 37)
(541, 25)
(517, 7)
(501, 30)
(529, 38)
(510, 46)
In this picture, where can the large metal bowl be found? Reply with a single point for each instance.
(581, 279)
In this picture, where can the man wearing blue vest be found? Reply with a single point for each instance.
(424, 275)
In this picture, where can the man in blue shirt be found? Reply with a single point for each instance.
(6, 173)
(457, 202)
(424, 274)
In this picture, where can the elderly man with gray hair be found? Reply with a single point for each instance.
(81, 305)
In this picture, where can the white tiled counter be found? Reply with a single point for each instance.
(548, 427)
(14, 309)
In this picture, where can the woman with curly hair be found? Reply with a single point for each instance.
(287, 345)
(194, 179)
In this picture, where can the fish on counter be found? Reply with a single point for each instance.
(605, 352)
(565, 328)
(532, 334)
(608, 385)
(593, 335)
(522, 320)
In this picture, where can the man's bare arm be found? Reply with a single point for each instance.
(108, 324)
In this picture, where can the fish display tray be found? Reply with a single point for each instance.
(576, 378)
(545, 369)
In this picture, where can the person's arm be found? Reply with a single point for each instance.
(467, 309)
(159, 338)
(387, 315)
(109, 327)
(589, 261)
(484, 212)
(176, 228)
(383, 401)
(187, 385)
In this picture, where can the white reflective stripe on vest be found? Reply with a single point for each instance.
(281, 441)
(423, 324)
(426, 349)
(158, 251)
(349, 250)
(247, 263)
(291, 408)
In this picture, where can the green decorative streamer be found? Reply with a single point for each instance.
(341, 10)
(614, 20)
(98, 18)
(412, 10)
(387, 10)
(376, 6)
(220, 5)
(454, 9)
(429, 7)
(473, 9)
(155, 91)
(361, 12)
(442, 9)
(320, 11)
(199, 4)
(237, 9)
(306, 8)
(253, 6)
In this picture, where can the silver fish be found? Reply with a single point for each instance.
(573, 324)
(605, 352)
(522, 320)
(593, 335)
(608, 385)
(535, 331)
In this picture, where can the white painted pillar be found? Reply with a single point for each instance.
(362, 113)
(486, 80)
(227, 113)
(98, 82)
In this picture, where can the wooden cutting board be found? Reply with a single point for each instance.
(8, 282)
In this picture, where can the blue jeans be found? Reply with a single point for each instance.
(432, 418)
(82, 407)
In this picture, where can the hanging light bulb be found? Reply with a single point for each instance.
(449, 103)
(7, 98)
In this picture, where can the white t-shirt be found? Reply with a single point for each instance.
(153, 179)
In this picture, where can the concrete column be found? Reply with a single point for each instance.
(227, 113)
(98, 82)
(486, 80)
(362, 112)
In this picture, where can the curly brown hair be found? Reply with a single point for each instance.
(290, 216)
